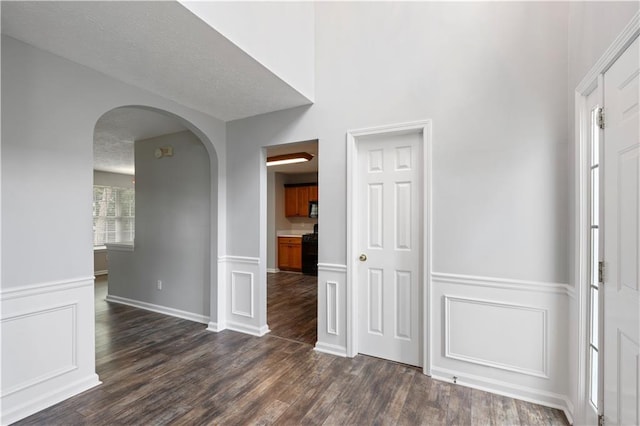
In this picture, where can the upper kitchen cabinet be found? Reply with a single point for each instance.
(297, 197)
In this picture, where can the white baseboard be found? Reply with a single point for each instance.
(102, 272)
(159, 309)
(273, 270)
(248, 329)
(536, 396)
(215, 327)
(331, 349)
(13, 414)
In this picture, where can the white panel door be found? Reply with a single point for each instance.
(389, 273)
(621, 241)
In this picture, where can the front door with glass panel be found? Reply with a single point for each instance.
(621, 150)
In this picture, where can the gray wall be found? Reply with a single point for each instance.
(499, 111)
(49, 109)
(173, 228)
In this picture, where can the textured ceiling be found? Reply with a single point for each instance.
(159, 46)
(116, 131)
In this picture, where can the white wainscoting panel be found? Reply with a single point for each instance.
(60, 342)
(242, 293)
(48, 345)
(509, 337)
(243, 304)
(331, 309)
(472, 325)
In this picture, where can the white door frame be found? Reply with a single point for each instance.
(424, 129)
(592, 81)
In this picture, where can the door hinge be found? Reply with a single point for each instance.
(601, 420)
(601, 272)
(601, 118)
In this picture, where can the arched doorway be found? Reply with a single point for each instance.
(171, 268)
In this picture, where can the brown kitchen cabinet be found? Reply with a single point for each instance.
(297, 197)
(290, 254)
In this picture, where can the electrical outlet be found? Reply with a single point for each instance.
(159, 285)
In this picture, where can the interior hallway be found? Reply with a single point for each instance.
(158, 369)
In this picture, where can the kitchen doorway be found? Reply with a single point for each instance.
(292, 240)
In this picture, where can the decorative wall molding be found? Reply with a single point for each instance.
(236, 281)
(11, 414)
(332, 267)
(70, 327)
(40, 374)
(525, 393)
(159, 309)
(503, 283)
(248, 329)
(242, 309)
(45, 288)
(239, 259)
(332, 307)
(331, 320)
(542, 343)
(328, 348)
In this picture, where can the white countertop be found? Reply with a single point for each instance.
(291, 233)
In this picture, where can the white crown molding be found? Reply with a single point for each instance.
(44, 288)
(503, 283)
(101, 272)
(159, 309)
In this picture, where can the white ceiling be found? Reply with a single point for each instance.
(158, 46)
(310, 166)
(116, 131)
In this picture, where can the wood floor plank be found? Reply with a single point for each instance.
(163, 370)
(481, 408)
(292, 305)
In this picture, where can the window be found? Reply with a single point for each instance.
(113, 214)
(595, 255)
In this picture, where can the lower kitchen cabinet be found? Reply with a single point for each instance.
(290, 253)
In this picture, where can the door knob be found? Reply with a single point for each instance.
(363, 257)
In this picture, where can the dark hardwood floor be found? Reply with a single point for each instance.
(292, 306)
(161, 370)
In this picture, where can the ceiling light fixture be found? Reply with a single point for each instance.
(297, 157)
